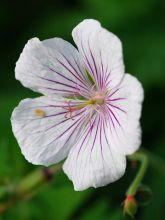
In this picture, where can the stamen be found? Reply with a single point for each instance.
(96, 101)
(69, 109)
(39, 112)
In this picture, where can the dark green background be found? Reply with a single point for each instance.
(140, 24)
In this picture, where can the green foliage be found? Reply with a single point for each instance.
(140, 26)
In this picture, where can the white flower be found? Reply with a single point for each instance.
(90, 109)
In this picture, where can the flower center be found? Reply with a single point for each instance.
(99, 98)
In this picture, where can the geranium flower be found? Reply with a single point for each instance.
(90, 109)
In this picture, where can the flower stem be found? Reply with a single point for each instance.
(27, 187)
(142, 157)
(35, 180)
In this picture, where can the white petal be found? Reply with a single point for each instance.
(44, 134)
(52, 66)
(92, 162)
(102, 52)
(125, 103)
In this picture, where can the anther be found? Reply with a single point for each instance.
(69, 109)
(39, 112)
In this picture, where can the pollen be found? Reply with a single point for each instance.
(39, 112)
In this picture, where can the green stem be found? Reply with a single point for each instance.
(27, 187)
(139, 156)
(35, 180)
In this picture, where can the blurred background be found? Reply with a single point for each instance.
(140, 24)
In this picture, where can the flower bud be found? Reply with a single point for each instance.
(130, 206)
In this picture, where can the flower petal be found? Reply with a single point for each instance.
(44, 134)
(52, 66)
(124, 106)
(92, 162)
(102, 52)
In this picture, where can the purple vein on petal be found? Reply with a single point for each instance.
(101, 134)
(114, 106)
(105, 75)
(86, 133)
(107, 79)
(62, 64)
(108, 143)
(68, 129)
(67, 78)
(111, 121)
(61, 122)
(108, 123)
(102, 75)
(94, 63)
(35, 119)
(98, 123)
(114, 116)
(60, 83)
(117, 99)
(113, 93)
(86, 81)
(73, 67)
(108, 82)
(64, 91)
(86, 58)
(80, 122)
(53, 115)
